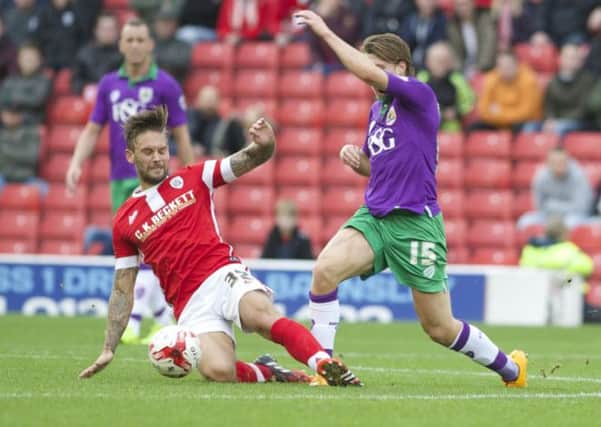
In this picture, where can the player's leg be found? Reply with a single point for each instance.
(161, 312)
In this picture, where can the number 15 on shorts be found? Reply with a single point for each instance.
(422, 253)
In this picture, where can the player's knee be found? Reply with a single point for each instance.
(220, 372)
(439, 334)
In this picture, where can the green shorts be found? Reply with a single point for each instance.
(413, 246)
(121, 189)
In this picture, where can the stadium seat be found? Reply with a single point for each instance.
(540, 57)
(343, 84)
(103, 218)
(300, 141)
(115, 4)
(263, 176)
(69, 110)
(523, 174)
(62, 226)
(249, 230)
(19, 224)
(597, 265)
(449, 173)
(301, 113)
(341, 201)
(450, 144)
(124, 15)
(312, 225)
(61, 247)
(452, 202)
(12, 246)
(63, 138)
(296, 55)
(488, 173)
(54, 168)
(248, 251)
(245, 200)
(534, 146)
(267, 107)
(331, 225)
(457, 255)
(489, 204)
(490, 233)
(196, 80)
(89, 93)
(263, 55)
(307, 199)
(338, 174)
(300, 84)
(490, 144)
(593, 297)
(100, 169)
(455, 232)
(522, 202)
(336, 138)
(593, 172)
(212, 55)
(58, 199)
(61, 84)
(347, 113)
(494, 256)
(584, 145)
(587, 236)
(524, 234)
(298, 171)
(21, 197)
(255, 84)
(99, 197)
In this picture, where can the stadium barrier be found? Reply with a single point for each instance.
(71, 285)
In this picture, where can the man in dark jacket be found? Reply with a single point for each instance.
(22, 21)
(286, 241)
(423, 28)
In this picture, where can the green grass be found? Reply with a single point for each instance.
(409, 382)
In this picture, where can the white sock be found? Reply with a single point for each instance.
(325, 316)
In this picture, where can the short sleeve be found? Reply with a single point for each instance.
(126, 254)
(175, 101)
(410, 91)
(100, 113)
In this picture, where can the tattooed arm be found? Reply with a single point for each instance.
(120, 305)
(258, 152)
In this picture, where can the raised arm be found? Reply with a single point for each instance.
(257, 152)
(120, 305)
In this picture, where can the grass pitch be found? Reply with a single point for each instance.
(409, 382)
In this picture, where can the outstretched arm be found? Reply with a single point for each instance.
(120, 305)
(258, 152)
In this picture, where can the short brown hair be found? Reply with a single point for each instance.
(154, 119)
(389, 48)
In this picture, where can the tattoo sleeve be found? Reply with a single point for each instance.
(120, 305)
(250, 157)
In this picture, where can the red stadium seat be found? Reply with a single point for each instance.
(494, 144)
(20, 224)
(489, 233)
(449, 173)
(99, 197)
(298, 171)
(450, 144)
(457, 255)
(593, 172)
(61, 247)
(342, 84)
(69, 110)
(63, 138)
(587, 237)
(337, 173)
(263, 175)
(100, 169)
(342, 201)
(489, 204)
(534, 146)
(312, 225)
(61, 85)
(103, 218)
(58, 199)
(540, 57)
(124, 15)
(488, 173)
(522, 203)
(248, 251)
(523, 174)
(300, 84)
(249, 230)
(115, 4)
(196, 80)
(61, 225)
(255, 83)
(301, 113)
(307, 199)
(593, 297)
(212, 55)
(54, 168)
(347, 113)
(331, 226)
(266, 107)
(495, 256)
(244, 200)
(455, 232)
(12, 246)
(257, 55)
(452, 203)
(526, 233)
(300, 141)
(584, 145)
(21, 197)
(296, 55)
(597, 266)
(336, 138)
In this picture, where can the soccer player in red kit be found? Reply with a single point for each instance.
(169, 222)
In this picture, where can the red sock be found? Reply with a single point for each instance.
(297, 339)
(246, 374)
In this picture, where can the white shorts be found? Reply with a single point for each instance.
(215, 304)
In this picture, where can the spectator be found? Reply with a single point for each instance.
(99, 56)
(563, 21)
(30, 88)
(19, 147)
(567, 95)
(455, 96)
(559, 188)
(171, 54)
(517, 20)
(382, 16)
(198, 20)
(22, 21)
(554, 251)
(511, 95)
(473, 36)
(8, 53)
(286, 241)
(425, 26)
(344, 23)
(60, 33)
(593, 61)
(88, 12)
(209, 131)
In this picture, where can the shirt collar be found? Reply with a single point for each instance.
(152, 74)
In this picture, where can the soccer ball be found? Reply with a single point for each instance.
(174, 351)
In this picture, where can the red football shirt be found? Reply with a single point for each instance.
(172, 226)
